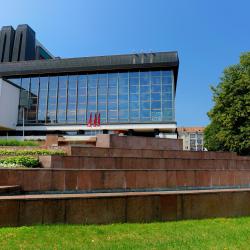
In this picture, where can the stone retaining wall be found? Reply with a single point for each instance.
(138, 142)
(92, 162)
(149, 153)
(40, 180)
(122, 208)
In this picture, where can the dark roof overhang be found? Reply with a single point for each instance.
(158, 60)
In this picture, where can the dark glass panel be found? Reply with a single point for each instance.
(166, 81)
(92, 91)
(123, 105)
(53, 82)
(112, 90)
(134, 105)
(167, 73)
(155, 80)
(134, 81)
(155, 73)
(123, 82)
(167, 105)
(102, 106)
(156, 88)
(145, 89)
(156, 97)
(44, 82)
(34, 86)
(123, 98)
(168, 114)
(166, 96)
(134, 115)
(156, 105)
(145, 105)
(92, 99)
(134, 98)
(92, 106)
(156, 115)
(123, 75)
(112, 106)
(167, 88)
(145, 113)
(134, 89)
(112, 98)
(134, 74)
(145, 97)
(112, 115)
(43, 95)
(102, 98)
(123, 115)
(72, 82)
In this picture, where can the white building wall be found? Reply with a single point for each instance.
(9, 99)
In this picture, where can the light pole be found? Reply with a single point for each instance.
(23, 123)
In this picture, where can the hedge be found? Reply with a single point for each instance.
(25, 161)
(17, 143)
(31, 152)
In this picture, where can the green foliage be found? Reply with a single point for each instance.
(26, 161)
(31, 152)
(17, 143)
(229, 129)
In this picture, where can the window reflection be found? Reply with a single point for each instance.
(145, 96)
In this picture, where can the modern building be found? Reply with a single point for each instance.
(193, 138)
(130, 94)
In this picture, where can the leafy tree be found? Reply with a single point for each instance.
(229, 129)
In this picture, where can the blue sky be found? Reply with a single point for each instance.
(208, 35)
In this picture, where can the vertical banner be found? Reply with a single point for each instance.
(95, 120)
(99, 120)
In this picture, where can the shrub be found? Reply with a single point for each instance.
(17, 143)
(8, 165)
(31, 152)
(25, 161)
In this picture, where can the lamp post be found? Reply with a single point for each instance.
(23, 122)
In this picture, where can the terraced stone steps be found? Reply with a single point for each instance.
(110, 162)
(65, 180)
(133, 207)
(150, 153)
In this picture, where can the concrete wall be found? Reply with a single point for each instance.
(9, 100)
(122, 208)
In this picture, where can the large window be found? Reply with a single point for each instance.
(121, 97)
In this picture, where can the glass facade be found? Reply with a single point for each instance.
(122, 97)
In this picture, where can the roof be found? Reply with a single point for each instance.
(89, 64)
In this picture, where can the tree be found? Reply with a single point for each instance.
(229, 129)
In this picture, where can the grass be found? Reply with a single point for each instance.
(192, 234)
(18, 143)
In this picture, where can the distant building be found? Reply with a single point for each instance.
(193, 138)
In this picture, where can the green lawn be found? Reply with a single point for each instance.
(196, 234)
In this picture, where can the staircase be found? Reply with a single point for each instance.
(128, 179)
